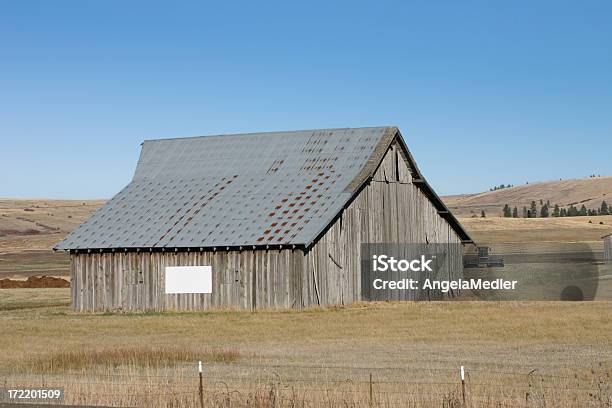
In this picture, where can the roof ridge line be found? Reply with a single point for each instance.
(274, 132)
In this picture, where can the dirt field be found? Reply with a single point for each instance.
(38, 282)
(314, 358)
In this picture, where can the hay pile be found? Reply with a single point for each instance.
(35, 282)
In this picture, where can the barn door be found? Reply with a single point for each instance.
(133, 297)
(231, 287)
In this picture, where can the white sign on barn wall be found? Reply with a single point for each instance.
(188, 279)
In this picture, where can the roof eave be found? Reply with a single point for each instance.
(392, 133)
(433, 196)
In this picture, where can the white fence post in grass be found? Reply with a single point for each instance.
(201, 389)
(463, 384)
(371, 396)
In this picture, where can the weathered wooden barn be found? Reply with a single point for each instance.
(279, 217)
(607, 248)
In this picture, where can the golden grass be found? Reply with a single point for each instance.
(500, 223)
(529, 354)
(138, 356)
(492, 230)
(588, 191)
(264, 385)
(380, 332)
(178, 387)
(51, 219)
(22, 299)
(314, 358)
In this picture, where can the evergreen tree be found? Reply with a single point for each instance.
(541, 202)
(572, 211)
(556, 212)
(507, 211)
(563, 213)
(544, 211)
(533, 209)
(514, 213)
(482, 214)
(525, 212)
(604, 210)
(583, 211)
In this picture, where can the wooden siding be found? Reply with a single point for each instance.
(390, 209)
(608, 248)
(131, 281)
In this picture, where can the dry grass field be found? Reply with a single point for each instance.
(546, 353)
(549, 253)
(588, 191)
(528, 354)
(30, 228)
(493, 230)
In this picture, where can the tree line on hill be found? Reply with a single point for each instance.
(545, 211)
(501, 187)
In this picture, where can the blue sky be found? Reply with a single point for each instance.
(484, 92)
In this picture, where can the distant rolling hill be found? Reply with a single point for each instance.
(39, 224)
(30, 228)
(588, 191)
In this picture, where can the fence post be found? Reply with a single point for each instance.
(371, 397)
(201, 390)
(463, 384)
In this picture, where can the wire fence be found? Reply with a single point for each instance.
(305, 385)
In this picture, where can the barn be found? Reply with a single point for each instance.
(276, 220)
(607, 248)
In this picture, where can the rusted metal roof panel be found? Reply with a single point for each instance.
(234, 190)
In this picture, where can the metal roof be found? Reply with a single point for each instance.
(281, 188)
